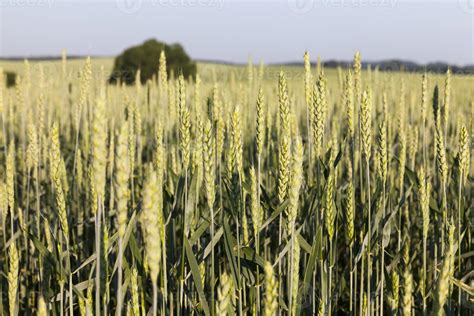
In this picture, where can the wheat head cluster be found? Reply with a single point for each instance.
(257, 190)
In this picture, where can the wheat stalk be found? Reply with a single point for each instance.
(121, 177)
(99, 159)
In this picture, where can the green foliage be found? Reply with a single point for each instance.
(10, 79)
(145, 58)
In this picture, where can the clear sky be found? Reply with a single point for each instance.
(230, 30)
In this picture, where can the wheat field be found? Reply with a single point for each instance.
(251, 190)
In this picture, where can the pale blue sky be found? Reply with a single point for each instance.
(274, 31)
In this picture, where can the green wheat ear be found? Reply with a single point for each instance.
(271, 291)
(162, 75)
(357, 68)
(283, 169)
(10, 177)
(349, 210)
(56, 170)
(284, 105)
(185, 138)
(365, 125)
(260, 122)
(348, 101)
(256, 209)
(442, 286)
(121, 176)
(134, 292)
(224, 295)
(393, 300)
(463, 155)
(382, 152)
(319, 112)
(208, 161)
(295, 185)
(407, 292)
(150, 219)
(441, 153)
(13, 272)
(446, 100)
(99, 135)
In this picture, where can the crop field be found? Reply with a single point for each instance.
(248, 190)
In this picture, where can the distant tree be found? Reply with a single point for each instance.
(10, 79)
(145, 58)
